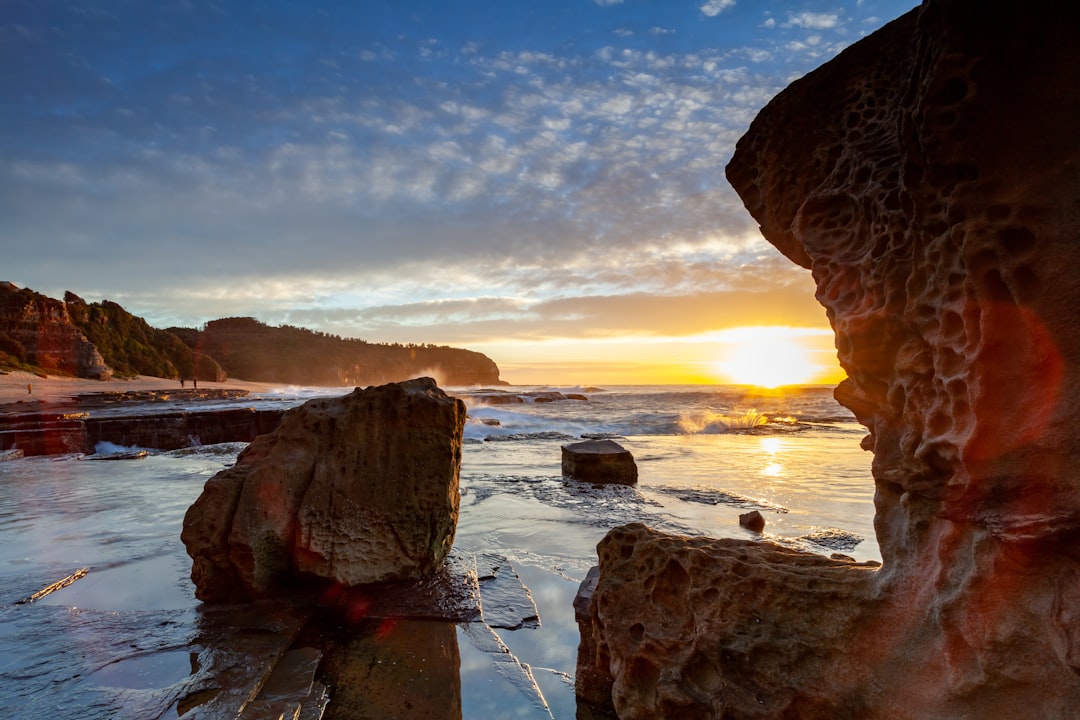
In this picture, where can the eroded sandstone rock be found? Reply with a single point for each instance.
(357, 489)
(686, 627)
(38, 329)
(599, 461)
(928, 177)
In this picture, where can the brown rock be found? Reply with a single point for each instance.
(752, 521)
(928, 178)
(687, 627)
(599, 461)
(357, 489)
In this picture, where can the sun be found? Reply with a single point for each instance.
(767, 357)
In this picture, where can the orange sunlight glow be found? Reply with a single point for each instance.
(767, 356)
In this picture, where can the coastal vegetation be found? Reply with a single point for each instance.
(102, 339)
(252, 350)
(127, 342)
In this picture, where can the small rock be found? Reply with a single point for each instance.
(752, 521)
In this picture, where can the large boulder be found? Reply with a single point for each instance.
(686, 627)
(928, 178)
(354, 490)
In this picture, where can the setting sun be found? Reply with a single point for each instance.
(768, 356)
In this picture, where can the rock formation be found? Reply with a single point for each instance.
(928, 177)
(357, 489)
(36, 329)
(687, 628)
(599, 461)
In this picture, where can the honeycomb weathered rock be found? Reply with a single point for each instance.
(929, 178)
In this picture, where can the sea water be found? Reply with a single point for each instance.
(705, 455)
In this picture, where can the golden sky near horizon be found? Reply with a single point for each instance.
(768, 356)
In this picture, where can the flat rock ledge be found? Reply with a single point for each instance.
(599, 461)
(353, 490)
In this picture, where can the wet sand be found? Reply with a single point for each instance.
(53, 389)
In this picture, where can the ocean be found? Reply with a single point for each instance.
(705, 454)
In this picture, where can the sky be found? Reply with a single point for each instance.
(539, 181)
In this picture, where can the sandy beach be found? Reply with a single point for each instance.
(14, 386)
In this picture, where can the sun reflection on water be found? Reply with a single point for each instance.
(772, 447)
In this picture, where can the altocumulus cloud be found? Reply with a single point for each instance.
(714, 7)
(198, 159)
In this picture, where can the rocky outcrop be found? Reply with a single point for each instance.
(599, 461)
(36, 329)
(355, 490)
(928, 178)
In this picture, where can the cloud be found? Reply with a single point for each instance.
(506, 319)
(814, 21)
(211, 167)
(608, 3)
(712, 8)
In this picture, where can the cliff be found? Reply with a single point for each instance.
(132, 347)
(251, 350)
(94, 340)
(928, 178)
(38, 331)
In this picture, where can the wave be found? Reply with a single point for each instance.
(712, 422)
(563, 412)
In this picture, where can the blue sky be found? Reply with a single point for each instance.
(542, 181)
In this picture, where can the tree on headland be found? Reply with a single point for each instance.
(252, 350)
(127, 342)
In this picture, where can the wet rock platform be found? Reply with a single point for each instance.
(393, 650)
(155, 419)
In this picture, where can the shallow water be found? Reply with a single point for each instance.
(99, 647)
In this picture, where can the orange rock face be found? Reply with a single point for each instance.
(354, 490)
(929, 179)
(40, 329)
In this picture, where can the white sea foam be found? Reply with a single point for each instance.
(712, 422)
(107, 448)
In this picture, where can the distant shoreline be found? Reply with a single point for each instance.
(57, 389)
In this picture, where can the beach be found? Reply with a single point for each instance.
(58, 388)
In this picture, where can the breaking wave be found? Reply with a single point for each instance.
(712, 422)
